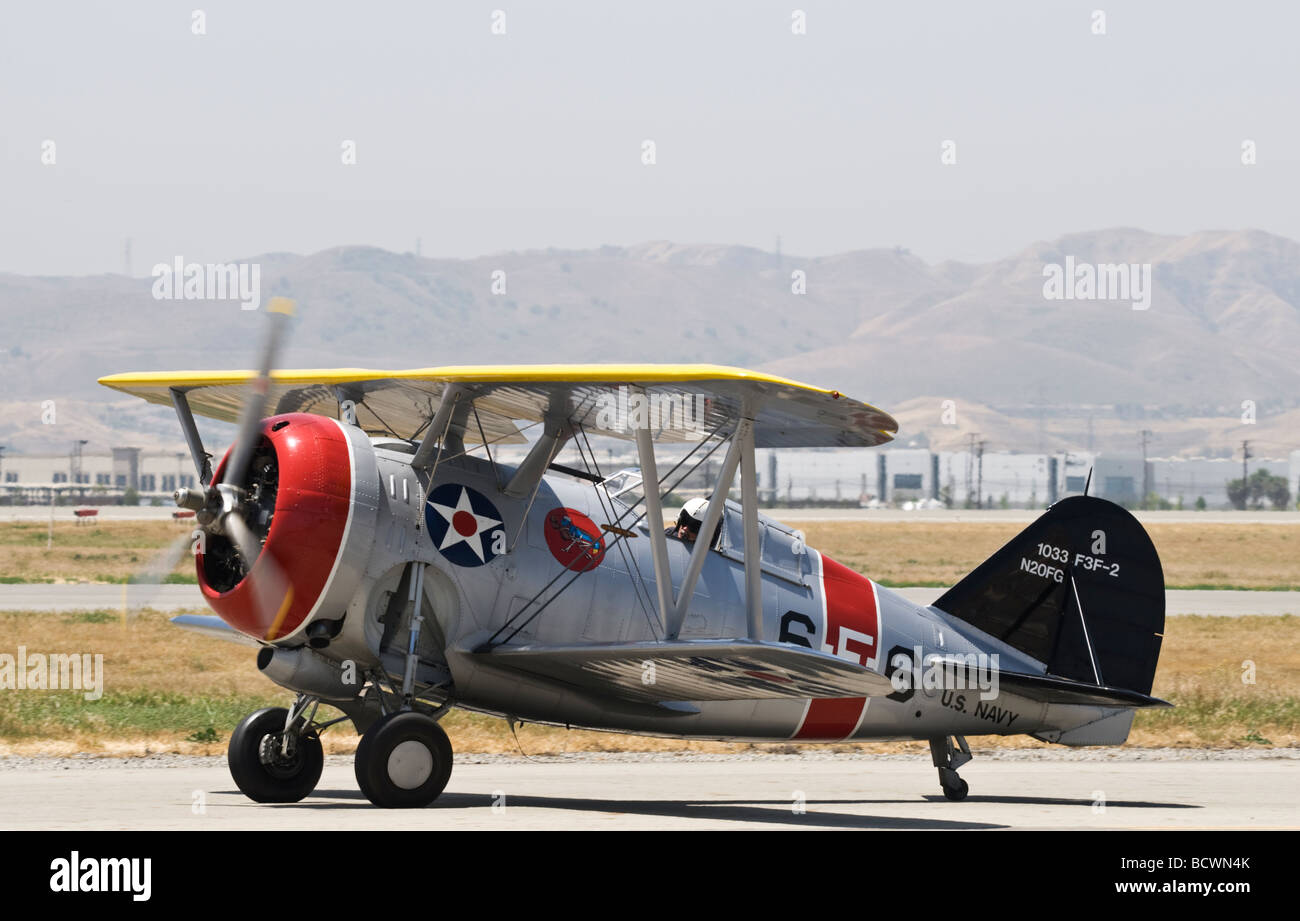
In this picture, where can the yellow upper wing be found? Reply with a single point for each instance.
(679, 403)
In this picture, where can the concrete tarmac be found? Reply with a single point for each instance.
(1183, 790)
(78, 597)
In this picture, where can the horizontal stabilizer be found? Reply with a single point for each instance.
(1049, 690)
(213, 627)
(693, 670)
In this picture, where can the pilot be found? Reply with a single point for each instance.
(689, 520)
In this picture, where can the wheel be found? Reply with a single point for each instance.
(957, 790)
(278, 779)
(403, 761)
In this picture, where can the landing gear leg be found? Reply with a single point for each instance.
(948, 754)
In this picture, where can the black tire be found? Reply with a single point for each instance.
(286, 781)
(360, 757)
(956, 791)
(404, 761)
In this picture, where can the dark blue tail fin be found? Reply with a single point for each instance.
(1080, 589)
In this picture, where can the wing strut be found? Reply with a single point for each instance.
(435, 436)
(556, 430)
(645, 450)
(202, 462)
(749, 514)
(739, 453)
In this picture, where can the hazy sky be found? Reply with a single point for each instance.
(229, 144)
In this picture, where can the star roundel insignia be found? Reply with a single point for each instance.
(463, 524)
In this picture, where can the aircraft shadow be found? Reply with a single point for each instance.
(1061, 801)
(769, 812)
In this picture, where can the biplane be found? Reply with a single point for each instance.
(362, 534)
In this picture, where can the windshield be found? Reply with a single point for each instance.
(625, 486)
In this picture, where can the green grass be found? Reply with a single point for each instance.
(172, 578)
(33, 714)
(91, 617)
(1207, 714)
(36, 714)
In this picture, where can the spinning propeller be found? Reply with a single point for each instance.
(235, 510)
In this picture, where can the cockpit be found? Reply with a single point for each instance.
(782, 550)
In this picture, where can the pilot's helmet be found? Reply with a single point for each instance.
(693, 512)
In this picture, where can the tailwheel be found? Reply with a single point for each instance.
(954, 788)
(271, 764)
(948, 754)
(403, 761)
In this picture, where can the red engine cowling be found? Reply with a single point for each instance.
(300, 486)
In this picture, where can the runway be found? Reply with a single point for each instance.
(1182, 790)
(85, 597)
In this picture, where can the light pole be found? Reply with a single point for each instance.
(74, 465)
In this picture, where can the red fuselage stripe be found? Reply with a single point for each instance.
(852, 631)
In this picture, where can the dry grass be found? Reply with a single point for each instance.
(164, 686)
(107, 552)
(1209, 554)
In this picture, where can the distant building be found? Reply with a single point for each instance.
(818, 475)
(892, 475)
(959, 478)
(1121, 479)
(32, 477)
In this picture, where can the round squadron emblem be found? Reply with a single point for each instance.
(574, 539)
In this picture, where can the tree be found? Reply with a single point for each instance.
(130, 497)
(1156, 501)
(1260, 487)
(1276, 491)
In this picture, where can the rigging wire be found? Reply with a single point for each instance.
(629, 560)
(562, 588)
